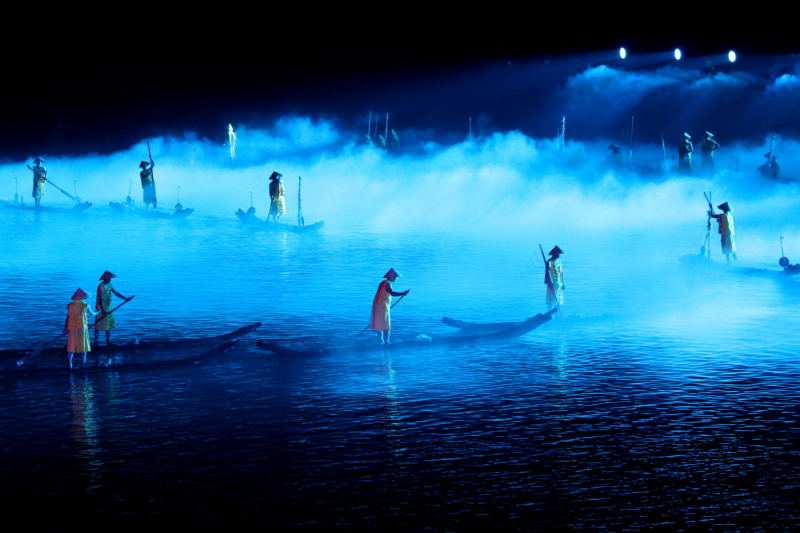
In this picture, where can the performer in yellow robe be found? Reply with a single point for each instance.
(39, 179)
(76, 327)
(726, 232)
(103, 304)
(381, 320)
(555, 287)
(276, 192)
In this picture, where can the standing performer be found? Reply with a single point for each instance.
(103, 304)
(39, 178)
(555, 287)
(708, 147)
(276, 192)
(148, 184)
(232, 141)
(77, 328)
(381, 319)
(685, 154)
(726, 231)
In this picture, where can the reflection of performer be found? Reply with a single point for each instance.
(726, 231)
(103, 304)
(39, 178)
(381, 319)
(276, 192)
(77, 328)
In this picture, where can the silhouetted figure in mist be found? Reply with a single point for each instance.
(771, 168)
(685, 154)
(725, 220)
(380, 142)
(394, 140)
(615, 157)
(708, 147)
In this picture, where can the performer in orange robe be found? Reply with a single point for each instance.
(77, 328)
(381, 320)
(103, 304)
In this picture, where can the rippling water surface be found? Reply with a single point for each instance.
(666, 399)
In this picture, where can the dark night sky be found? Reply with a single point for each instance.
(88, 87)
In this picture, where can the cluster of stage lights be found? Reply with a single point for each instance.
(678, 54)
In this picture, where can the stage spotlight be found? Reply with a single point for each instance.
(677, 53)
(623, 53)
(731, 56)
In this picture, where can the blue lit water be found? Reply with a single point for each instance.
(666, 400)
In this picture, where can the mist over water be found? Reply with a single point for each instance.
(660, 376)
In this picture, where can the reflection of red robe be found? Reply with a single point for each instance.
(381, 319)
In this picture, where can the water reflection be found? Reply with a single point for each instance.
(85, 429)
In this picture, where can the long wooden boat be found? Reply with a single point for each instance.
(251, 219)
(77, 208)
(34, 370)
(125, 209)
(133, 346)
(705, 264)
(516, 330)
(472, 327)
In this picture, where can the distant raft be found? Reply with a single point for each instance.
(251, 219)
(125, 209)
(77, 208)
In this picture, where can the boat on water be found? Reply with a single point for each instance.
(77, 208)
(700, 262)
(510, 332)
(33, 370)
(251, 219)
(132, 345)
(125, 209)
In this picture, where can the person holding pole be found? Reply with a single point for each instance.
(725, 220)
(277, 206)
(148, 184)
(381, 320)
(76, 327)
(39, 178)
(554, 279)
(103, 304)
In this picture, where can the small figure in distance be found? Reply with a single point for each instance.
(103, 304)
(708, 147)
(148, 184)
(685, 154)
(77, 328)
(771, 168)
(381, 320)
(277, 206)
(725, 220)
(39, 179)
(555, 281)
(615, 157)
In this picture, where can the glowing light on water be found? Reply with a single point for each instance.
(677, 53)
(731, 56)
(622, 53)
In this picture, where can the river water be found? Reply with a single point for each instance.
(665, 400)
